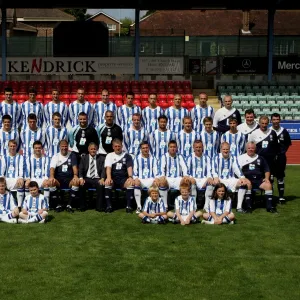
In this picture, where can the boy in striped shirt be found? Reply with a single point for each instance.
(8, 208)
(154, 210)
(185, 207)
(35, 207)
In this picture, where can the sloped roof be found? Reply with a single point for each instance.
(103, 13)
(24, 27)
(220, 22)
(39, 14)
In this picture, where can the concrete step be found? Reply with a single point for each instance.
(212, 101)
(209, 92)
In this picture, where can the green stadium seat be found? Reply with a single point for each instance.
(296, 115)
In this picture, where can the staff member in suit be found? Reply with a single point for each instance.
(92, 175)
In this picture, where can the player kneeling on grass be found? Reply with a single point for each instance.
(185, 207)
(219, 211)
(8, 207)
(154, 210)
(34, 208)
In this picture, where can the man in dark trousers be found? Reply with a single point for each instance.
(285, 142)
(92, 175)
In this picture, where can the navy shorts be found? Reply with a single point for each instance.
(256, 183)
(64, 182)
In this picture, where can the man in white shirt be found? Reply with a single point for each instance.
(63, 176)
(222, 115)
(249, 125)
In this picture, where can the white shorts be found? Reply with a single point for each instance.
(201, 182)
(39, 181)
(230, 183)
(174, 183)
(11, 184)
(146, 183)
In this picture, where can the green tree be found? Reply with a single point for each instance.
(125, 27)
(78, 13)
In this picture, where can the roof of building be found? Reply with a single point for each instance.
(219, 22)
(39, 14)
(24, 27)
(103, 13)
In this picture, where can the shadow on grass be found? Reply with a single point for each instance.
(50, 218)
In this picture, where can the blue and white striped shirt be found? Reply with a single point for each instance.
(236, 141)
(5, 137)
(133, 139)
(14, 110)
(170, 166)
(53, 137)
(175, 118)
(152, 207)
(14, 166)
(145, 167)
(37, 167)
(211, 142)
(150, 117)
(28, 137)
(33, 204)
(100, 109)
(32, 108)
(159, 140)
(51, 107)
(124, 115)
(185, 207)
(219, 206)
(225, 168)
(199, 167)
(185, 142)
(198, 113)
(7, 203)
(75, 108)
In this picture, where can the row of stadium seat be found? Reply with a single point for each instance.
(97, 86)
(258, 90)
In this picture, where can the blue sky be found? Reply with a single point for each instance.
(118, 13)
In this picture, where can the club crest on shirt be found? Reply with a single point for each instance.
(271, 138)
(258, 161)
(69, 161)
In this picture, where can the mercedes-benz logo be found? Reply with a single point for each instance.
(246, 63)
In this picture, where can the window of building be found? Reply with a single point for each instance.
(112, 27)
(281, 48)
(159, 48)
